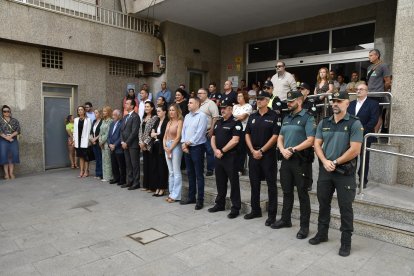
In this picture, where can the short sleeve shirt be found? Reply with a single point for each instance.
(224, 130)
(262, 127)
(296, 128)
(338, 136)
(376, 80)
(210, 109)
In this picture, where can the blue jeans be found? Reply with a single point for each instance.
(98, 158)
(209, 155)
(194, 162)
(174, 172)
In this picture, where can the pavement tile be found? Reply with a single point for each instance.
(201, 253)
(164, 266)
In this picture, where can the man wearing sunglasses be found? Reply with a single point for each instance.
(283, 81)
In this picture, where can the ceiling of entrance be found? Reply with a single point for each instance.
(223, 17)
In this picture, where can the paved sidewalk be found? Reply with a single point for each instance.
(57, 224)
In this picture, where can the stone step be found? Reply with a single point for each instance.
(364, 224)
(361, 206)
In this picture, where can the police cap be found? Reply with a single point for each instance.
(293, 95)
(340, 96)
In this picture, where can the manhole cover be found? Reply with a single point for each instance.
(147, 236)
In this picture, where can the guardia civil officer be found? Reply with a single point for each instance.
(295, 144)
(337, 144)
(225, 138)
(310, 105)
(261, 136)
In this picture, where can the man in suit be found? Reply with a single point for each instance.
(117, 153)
(129, 143)
(367, 110)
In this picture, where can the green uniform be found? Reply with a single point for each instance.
(336, 141)
(296, 128)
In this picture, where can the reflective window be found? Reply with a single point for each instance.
(304, 45)
(263, 51)
(353, 38)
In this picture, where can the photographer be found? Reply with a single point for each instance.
(337, 144)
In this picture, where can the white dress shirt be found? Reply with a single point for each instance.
(359, 105)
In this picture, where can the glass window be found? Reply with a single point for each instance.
(304, 45)
(262, 51)
(353, 38)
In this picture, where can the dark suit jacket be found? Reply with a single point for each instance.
(130, 129)
(160, 137)
(368, 114)
(98, 128)
(114, 138)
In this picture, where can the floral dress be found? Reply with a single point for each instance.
(106, 152)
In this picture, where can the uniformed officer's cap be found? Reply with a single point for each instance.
(304, 85)
(340, 96)
(263, 94)
(293, 95)
(228, 102)
(268, 83)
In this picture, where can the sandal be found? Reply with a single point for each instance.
(167, 198)
(6, 177)
(73, 166)
(170, 200)
(81, 174)
(86, 174)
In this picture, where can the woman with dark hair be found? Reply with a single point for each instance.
(130, 95)
(181, 100)
(145, 143)
(81, 129)
(241, 112)
(161, 169)
(161, 101)
(94, 138)
(9, 144)
(324, 84)
(71, 148)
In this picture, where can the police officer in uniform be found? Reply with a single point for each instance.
(225, 138)
(295, 143)
(310, 105)
(262, 131)
(338, 142)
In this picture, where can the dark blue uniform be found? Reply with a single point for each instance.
(226, 167)
(215, 97)
(261, 128)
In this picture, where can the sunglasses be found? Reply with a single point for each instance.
(6, 111)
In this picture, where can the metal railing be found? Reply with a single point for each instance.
(365, 149)
(91, 12)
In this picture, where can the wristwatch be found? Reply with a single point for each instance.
(335, 162)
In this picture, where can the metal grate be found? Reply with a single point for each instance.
(52, 59)
(147, 236)
(123, 68)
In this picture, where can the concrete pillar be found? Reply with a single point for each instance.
(402, 87)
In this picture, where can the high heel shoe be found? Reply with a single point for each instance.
(86, 174)
(160, 194)
(80, 174)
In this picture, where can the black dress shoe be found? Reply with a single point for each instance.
(216, 208)
(318, 239)
(185, 202)
(126, 186)
(113, 181)
(303, 233)
(270, 221)
(134, 187)
(281, 224)
(121, 183)
(253, 215)
(345, 250)
(233, 214)
(199, 205)
(209, 173)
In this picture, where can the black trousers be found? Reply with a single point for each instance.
(118, 167)
(242, 153)
(225, 170)
(265, 167)
(345, 187)
(149, 167)
(293, 172)
(132, 166)
(161, 170)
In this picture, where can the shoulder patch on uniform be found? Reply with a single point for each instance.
(238, 127)
(253, 121)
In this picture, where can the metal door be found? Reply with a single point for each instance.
(55, 111)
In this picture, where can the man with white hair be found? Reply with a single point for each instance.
(117, 153)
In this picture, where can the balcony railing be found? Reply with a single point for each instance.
(91, 12)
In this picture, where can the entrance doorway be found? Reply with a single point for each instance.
(196, 80)
(57, 105)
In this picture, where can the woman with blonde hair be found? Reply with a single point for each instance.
(173, 152)
(81, 129)
(103, 137)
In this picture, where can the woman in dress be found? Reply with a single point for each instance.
(241, 112)
(161, 169)
(173, 152)
(81, 128)
(103, 136)
(71, 147)
(323, 85)
(94, 138)
(9, 144)
(145, 143)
